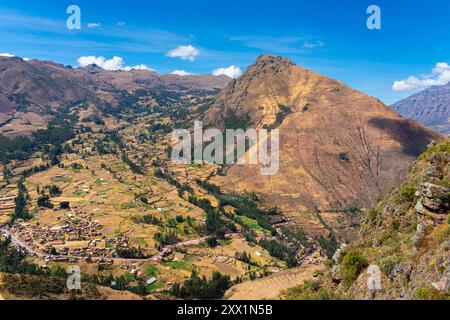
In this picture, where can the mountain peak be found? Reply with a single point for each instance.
(271, 58)
(330, 135)
(93, 68)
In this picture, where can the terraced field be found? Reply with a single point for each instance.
(270, 287)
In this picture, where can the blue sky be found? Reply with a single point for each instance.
(326, 36)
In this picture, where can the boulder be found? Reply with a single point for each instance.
(443, 284)
(434, 202)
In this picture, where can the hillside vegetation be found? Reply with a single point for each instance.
(406, 236)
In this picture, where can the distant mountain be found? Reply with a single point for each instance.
(430, 107)
(338, 147)
(36, 85)
(30, 91)
(148, 80)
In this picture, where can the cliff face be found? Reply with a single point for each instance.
(404, 247)
(338, 147)
(408, 235)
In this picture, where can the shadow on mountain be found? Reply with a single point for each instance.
(413, 138)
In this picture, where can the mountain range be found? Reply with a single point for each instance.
(31, 90)
(430, 107)
(98, 186)
(339, 147)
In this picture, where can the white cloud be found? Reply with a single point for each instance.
(312, 45)
(184, 53)
(439, 76)
(232, 71)
(113, 64)
(138, 67)
(121, 24)
(92, 25)
(116, 63)
(7, 55)
(180, 73)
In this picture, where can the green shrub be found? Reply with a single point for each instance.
(408, 192)
(429, 293)
(311, 290)
(388, 264)
(211, 242)
(352, 265)
(395, 224)
(373, 214)
(197, 287)
(328, 263)
(441, 148)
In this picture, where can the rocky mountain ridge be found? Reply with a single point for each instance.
(31, 91)
(430, 107)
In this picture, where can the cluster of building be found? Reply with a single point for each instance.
(56, 243)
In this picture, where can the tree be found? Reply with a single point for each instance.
(6, 174)
(21, 210)
(54, 190)
(44, 201)
(197, 287)
(211, 242)
(64, 205)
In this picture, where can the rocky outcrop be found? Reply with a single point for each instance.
(408, 236)
(399, 254)
(433, 203)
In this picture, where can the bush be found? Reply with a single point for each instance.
(408, 192)
(373, 215)
(54, 190)
(211, 242)
(166, 238)
(130, 253)
(201, 288)
(311, 290)
(328, 263)
(429, 293)
(388, 264)
(147, 219)
(352, 265)
(64, 205)
(44, 201)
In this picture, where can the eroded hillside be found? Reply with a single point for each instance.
(339, 148)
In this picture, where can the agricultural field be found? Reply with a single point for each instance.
(110, 200)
